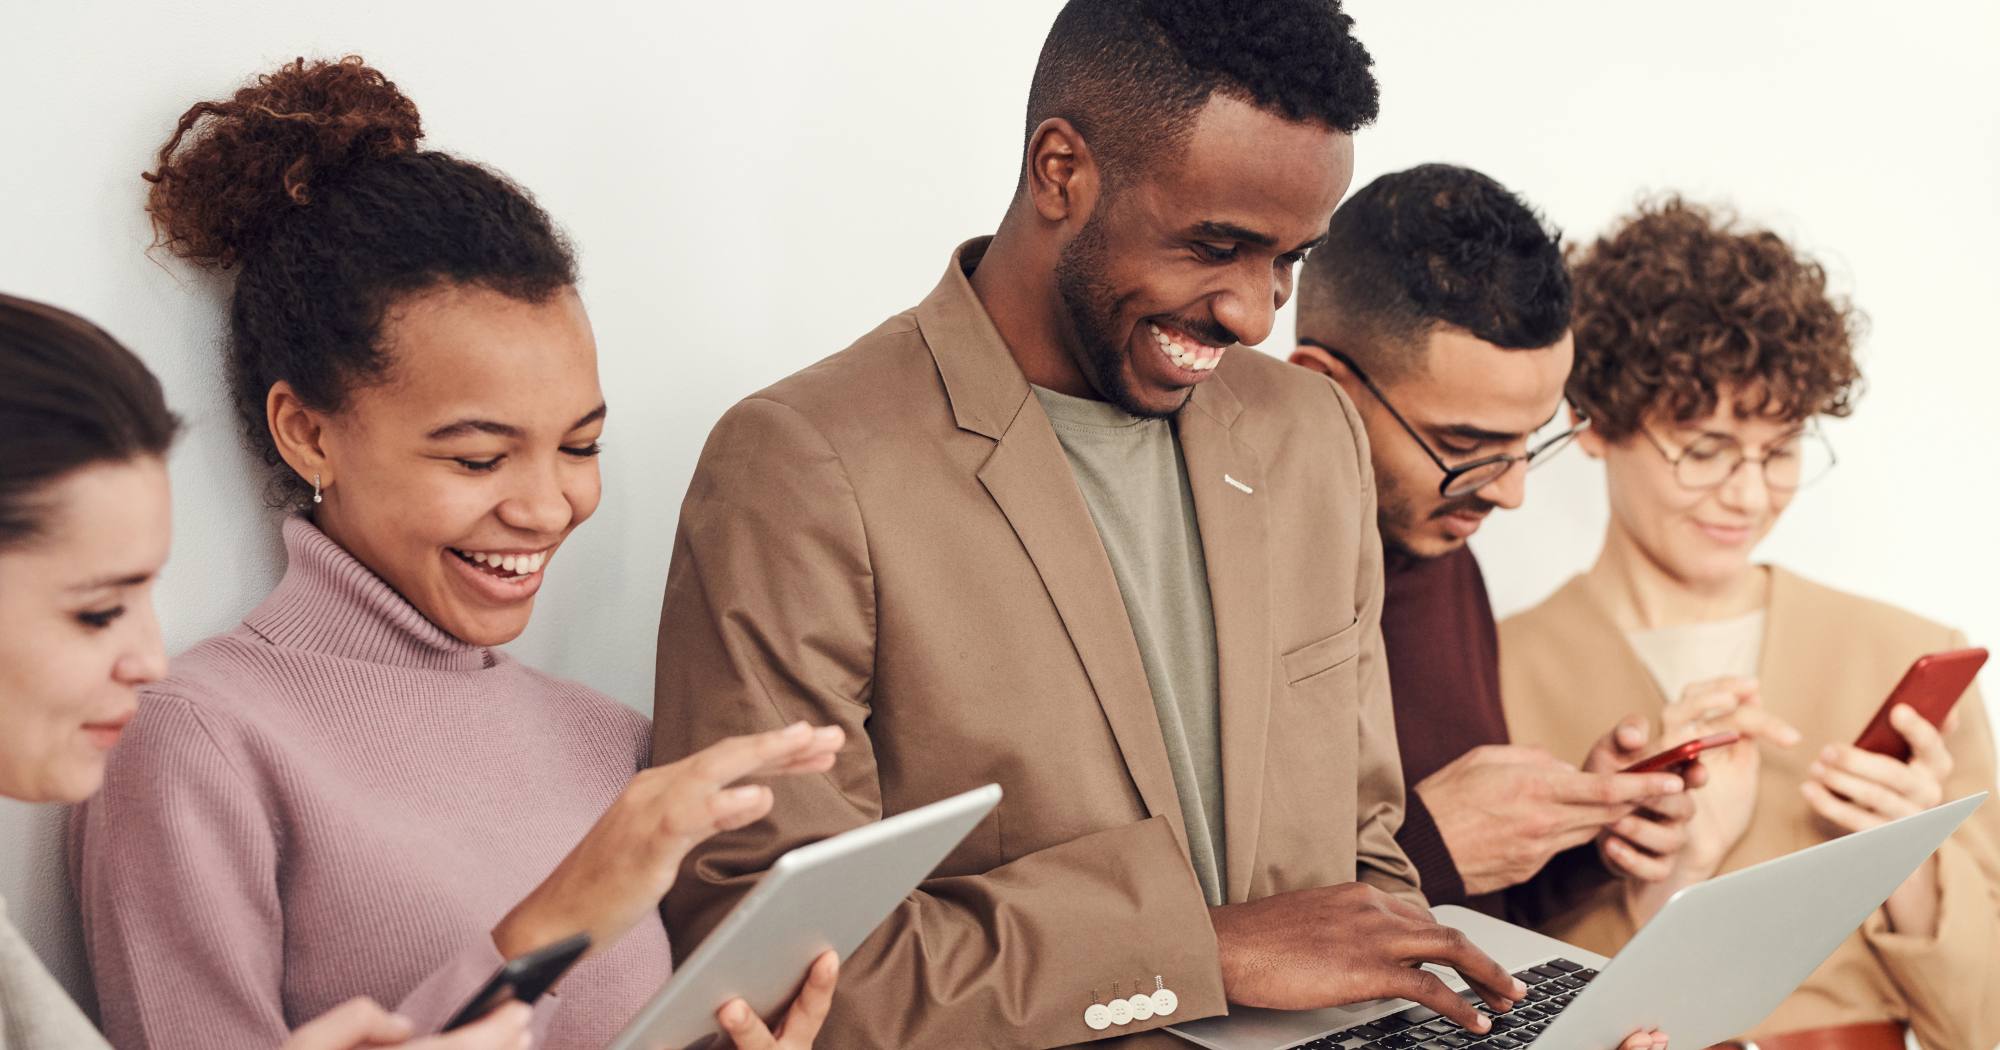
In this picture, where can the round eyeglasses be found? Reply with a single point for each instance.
(1788, 464)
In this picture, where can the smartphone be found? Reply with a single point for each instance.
(1931, 686)
(524, 978)
(1678, 759)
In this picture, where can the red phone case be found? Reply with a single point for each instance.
(1931, 686)
(1678, 758)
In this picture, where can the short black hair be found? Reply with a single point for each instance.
(1438, 245)
(1131, 75)
(310, 183)
(71, 397)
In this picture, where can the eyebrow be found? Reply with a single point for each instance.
(1231, 232)
(104, 583)
(1485, 436)
(506, 430)
(1479, 434)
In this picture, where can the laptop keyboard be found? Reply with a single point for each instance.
(1551, 986)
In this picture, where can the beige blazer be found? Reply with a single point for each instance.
(35, 1013)
(1829, 659)
(892, 541)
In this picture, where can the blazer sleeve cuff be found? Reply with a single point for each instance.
(1965, 930)
(1424, 845)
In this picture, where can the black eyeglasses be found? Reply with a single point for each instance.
(1465, 478)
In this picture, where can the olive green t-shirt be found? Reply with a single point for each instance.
(1135, 482)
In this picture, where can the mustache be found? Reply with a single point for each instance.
(1465, 504)
(1205, 330)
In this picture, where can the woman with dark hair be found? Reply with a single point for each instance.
(355, 788)
(84, 526)
(1705, 353)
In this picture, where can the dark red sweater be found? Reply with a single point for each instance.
(1444, 672)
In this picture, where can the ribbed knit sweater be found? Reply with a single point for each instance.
(338, 798)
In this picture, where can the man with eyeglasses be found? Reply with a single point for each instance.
(1441, 304)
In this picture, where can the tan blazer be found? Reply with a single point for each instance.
(892, 541)
(1829, 659)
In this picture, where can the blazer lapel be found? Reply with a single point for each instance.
(1226, 477)
(1029, 478)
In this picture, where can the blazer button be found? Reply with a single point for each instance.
(1098, 1017)
(1165, 1002)
(1121, 1011)
(1142, 1007)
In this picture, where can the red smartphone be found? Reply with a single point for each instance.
(1931, 686)
(1678, 759)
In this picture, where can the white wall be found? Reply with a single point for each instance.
(751, 191)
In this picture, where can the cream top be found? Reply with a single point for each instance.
(1684, 654)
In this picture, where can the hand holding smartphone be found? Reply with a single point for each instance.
(1931, 687)
(1679, 758)
(523, 978)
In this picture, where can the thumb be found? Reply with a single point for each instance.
(354, 1023)
(1631, 734)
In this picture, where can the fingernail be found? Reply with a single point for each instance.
(733, 1013)
(1829, 754)
(744, 796)
(1520, 990)
(827, 732)
(798, 728)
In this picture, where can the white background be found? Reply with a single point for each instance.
(750, 191)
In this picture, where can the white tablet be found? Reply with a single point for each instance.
(829, 894)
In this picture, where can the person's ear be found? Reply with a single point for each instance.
(1317, 359)
(300, 434)
(1588, 439)
(1063, 179)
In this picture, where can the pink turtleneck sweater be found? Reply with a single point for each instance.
(337, 798)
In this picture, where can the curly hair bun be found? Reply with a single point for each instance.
(236, 168)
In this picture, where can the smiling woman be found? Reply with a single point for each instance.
(1705, 350)
(354, 790)
(84, 526)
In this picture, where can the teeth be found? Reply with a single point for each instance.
(517, 564)
(1201, 358)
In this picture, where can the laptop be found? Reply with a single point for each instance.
(1716, 960)
(829, 894)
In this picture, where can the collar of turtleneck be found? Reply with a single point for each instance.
(330, 603)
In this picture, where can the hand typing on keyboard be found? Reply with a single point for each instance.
(1347, 944)
(1550, 988)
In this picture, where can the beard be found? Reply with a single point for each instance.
(1092, 305)
(1398, 519)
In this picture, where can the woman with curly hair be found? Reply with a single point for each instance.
(357, 789)
(1705, 353)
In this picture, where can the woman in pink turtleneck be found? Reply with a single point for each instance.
(354, 791)
(84, 527)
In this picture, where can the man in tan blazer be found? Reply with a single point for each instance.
(922, 540)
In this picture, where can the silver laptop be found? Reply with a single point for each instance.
(1716, 960)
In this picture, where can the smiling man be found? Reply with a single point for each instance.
(1055, 528)
(1441, 304)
